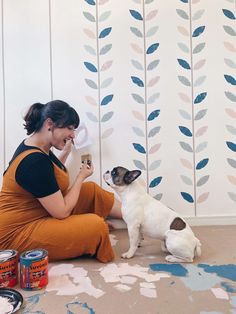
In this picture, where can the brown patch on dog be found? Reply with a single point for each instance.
(178, 224)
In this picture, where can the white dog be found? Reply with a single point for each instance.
(145, 215)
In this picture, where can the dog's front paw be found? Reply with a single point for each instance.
(127, 255)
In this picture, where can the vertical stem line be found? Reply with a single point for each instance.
(4, 90)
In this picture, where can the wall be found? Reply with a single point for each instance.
(153, 80)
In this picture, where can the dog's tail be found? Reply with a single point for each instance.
(198, 250)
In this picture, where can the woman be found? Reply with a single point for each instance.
(38, 209)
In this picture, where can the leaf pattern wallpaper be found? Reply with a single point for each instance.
(153, 80)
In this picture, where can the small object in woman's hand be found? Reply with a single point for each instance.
(86, 159)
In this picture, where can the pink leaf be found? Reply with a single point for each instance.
(154, 148)
(195, 1)
(89, 33)
(185, 97)
(91, 100)
(231, 112)
(186, 163)
(138, 115)
(103, 1)
(203, 197)
(201, 131)
(151, 15)
(106, 65)
(137, 48)
(198, 65)
(230, 46)
(153, 81)
(107, 133)
(232, 179)
(183, 30)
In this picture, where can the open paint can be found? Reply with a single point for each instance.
(34, 269)
(8, 268)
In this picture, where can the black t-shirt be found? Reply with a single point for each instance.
(35, 172)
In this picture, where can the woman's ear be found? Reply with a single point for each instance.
(49, 125)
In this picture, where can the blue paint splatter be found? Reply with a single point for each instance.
(225, 271)
(228, 287)
(83, 305)
(174, 269)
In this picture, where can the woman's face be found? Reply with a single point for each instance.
(61, 135)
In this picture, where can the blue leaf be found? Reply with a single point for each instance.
(229, 14)
(185, 131)
(187, 197)
(139, 148)
(231, 146)
(184, 64)
(90, 67)
(91, 2)
(202, 163)
(106, 100)
(230, 79)
(200, 98)
(152, 48)
(137, 81)
(198, 31)
(154, 114)
(155, 182)
(105, 32)
(184, 1)
(136, 15)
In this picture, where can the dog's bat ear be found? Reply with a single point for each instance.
(130, 176)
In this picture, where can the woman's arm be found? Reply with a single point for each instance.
(59, 206)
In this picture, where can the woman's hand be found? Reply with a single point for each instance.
(86, 171)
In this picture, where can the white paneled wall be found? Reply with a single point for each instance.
(153, 80)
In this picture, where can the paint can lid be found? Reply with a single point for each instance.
(11, 299)
(6, 254)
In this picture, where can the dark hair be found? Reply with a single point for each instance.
(62, 114)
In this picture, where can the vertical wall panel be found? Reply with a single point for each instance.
(27, 66)
(1, 98)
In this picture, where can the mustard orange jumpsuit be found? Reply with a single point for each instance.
(26, 225)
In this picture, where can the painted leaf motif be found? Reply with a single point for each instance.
(184, 64)
(105, 49)
(139, 148)
(152, 65)
(137, 64)
(89, 33)
(153, 115)
(107, 116)
(91, 84)
(139, 164)
(91, 116)
(203, 197)
(231, 162)
(148, 1)
(107, 133)
(198, 31)
(182, 14)
(201, 131)
(104, 16)
(186, 163)
(199, 48)
(106, 82)
(184, 114)
(202, 163)
(90, 50)
(154, 148)
(154, 165)
(138, 98)
(200, 98)
(136, 80)
(231, 129)
(153, 98)
(101, 2)
(137, 1)
(229, 14)
(154, 131)
(91, 100)
(230, 63)
(197, 15)
(231, 112)
(201, 147)
(106, 65)
(183, 47)
(91, 2)
(138, 131)
(105, 32)
(138, 115)
(185, 1)
(136, 15)
(232, 196)
(230, 96)
(230, 79)
(187, 197)
(229, 46)
(151, 15)
(155, 182)
(231, 146)
(183, 31)
(152, 48)
(90, 67)
(89, 16)
(185, 97)
(229, 30)
(152, 31)
(137, 48)
(200, 114)
(153, 81)
(186, 147)
(232, 180)
(136, 32)
(198, 65)
(185, 131)
(106, 100)
(184, 80)
(199, 80)
(202, 180)
(186, 180)
(158, 196)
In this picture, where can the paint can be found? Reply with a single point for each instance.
(34, 269)
(8, 268)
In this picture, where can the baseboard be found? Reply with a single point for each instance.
(211, 221)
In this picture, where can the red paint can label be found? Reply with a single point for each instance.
(8, 268)
(34, 269)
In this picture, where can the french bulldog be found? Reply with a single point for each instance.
(144, 215)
